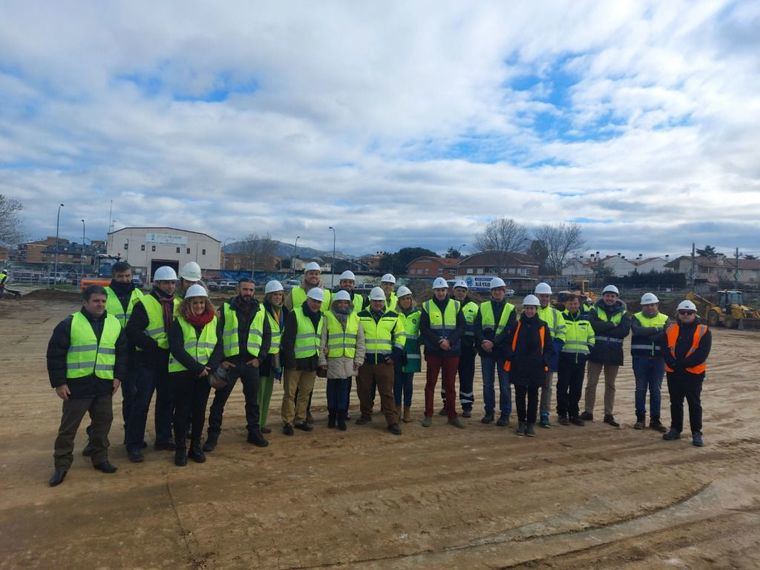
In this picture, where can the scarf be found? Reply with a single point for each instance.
(199, 320)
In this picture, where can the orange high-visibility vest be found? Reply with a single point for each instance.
(541, 334)
(672, 336)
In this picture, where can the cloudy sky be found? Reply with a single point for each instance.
(399, 123)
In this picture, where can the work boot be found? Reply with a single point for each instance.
(211, 441)
(363, 420)
(576, 421)
(466, 412)
(304, 426)
(640, 422)
(672, 435)
(196, 452)
(520, 428)
(443, 411)
(503, 420)
(529, 431)
(106, 467)
(89, 449)
(180, 456)
(655, 424)
(696, 440)
(456, 422)
(427, 421)
(610, 419)
(255, 437)
(563, 421)
(407, 414)
(341, 421)
(395, 429)
(58, 476)
(135, 456)
(487, 419)
(587, 416)
(287, 429)
(331, 420)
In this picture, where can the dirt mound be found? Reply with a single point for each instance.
(52, 295)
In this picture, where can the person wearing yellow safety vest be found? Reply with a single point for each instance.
(556, 323)
(388, 284)
(3, 282)
(442, 327)
(246, 336)
(311, 279)
(195, 351)
(148, 331)
(86, 359)
(347, 282)
(271, 368)
(685, 348)
(492, 323)
(579, 340)
(403, 385)
(299, 351)
(611, 324)
(647, 328)
(341, 354)
(466, 368)
(529, 351)
(384, 339)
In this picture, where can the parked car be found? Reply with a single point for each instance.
(510, 292)
(228, 285)
(212, 285)
(288, 284)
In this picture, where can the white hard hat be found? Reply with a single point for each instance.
(196, 291)
(461, 283)
(165, 273)
(311, 266)
(531, 300)
(388, 278)
(403, 291)
(191, 271)
(347, 275)
(377, 294)
(316, 293)
(341, 296)
(649, 299)
(440, 283)
(543, 289)
(273, 286)
(611, 289)
(687, 306)
(497, 282)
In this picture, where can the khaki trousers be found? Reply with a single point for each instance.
(301, 381)
(610, 374)
(383, 376)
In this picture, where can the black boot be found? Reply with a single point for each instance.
(342, 421)
(196, 452)
(255, 437)
(180, 455)
(211, 441)
(331, 420)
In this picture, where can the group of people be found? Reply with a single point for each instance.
(173, 342)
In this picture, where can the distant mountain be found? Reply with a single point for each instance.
(285, 250)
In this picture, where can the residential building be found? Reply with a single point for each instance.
(516, 269)
(432, 266)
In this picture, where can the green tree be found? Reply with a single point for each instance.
(707, 251)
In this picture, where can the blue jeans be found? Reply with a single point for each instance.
(489, 392)
(649, 373)
(403, 385)
(150, 377)
(337, 394)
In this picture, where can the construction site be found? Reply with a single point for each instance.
(591, 496)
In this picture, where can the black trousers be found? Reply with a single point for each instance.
(249, 377)
(190, 394)
(529, 393)
(101, 416)
(691, 389)
(569, 385)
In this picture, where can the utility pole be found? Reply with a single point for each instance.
(81, 258)
(693, 255)
(332, 268)
(57, 228)
(736, 273)
(292, 259)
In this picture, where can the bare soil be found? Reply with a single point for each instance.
(433, 498)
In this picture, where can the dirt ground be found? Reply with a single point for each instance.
(432, 498)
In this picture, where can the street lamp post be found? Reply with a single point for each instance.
(332, 268)
(55, 258)
(295, 249)
(81, 257)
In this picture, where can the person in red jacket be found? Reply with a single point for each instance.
(685, 348)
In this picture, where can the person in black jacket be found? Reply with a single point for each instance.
(685, 348)
(92, 392)
(243, 365)
(529, 352)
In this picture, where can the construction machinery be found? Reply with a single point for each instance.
(729, 311)
(102, 265)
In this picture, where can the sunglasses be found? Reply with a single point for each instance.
(687, 313)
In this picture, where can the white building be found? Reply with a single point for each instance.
(146, 248)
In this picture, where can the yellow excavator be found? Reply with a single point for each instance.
(730, 310)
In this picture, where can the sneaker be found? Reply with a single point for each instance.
(503, 420)
(487, 419)
(657, 426)
(427, 421)
(696, 440)
(520, 428)
(587, 416)
(545, 423)
(563, 421)
(456, 422)
(363, 420)
(639, 424)
(576, 421)
(529, 431)
(672, 435)
(610, 419)
(287, 429)
(394, 429)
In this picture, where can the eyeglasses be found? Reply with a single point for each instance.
(687, 313)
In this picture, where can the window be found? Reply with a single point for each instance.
(126, 246)
(469, 271)
(480, 271)
(177, 250)
(142, 247)
(188, 251)
(153, 248)
(203, 252)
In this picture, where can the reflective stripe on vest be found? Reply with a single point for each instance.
(231, 333)
(342, 342)
(86, 356)
(115, 308)
(616, 319)
(488, 321)
(542, 337)
(307, 337)
(199, 347)
(441, 323)
(642, 344)
(155, 328)
(672, 336)
(298, 297)
(556, 328)
(274, 347)
(380, 337)
(470, 311)
(579, 336)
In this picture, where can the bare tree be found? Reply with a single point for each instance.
(502, 236)
(258, 251)
(560, 242)
(10, 224)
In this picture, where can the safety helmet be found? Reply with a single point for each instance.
(196, 291)
(311, 266)
(611, 289)
(497, 282)
(316, 294)
(377, 294)
(461, 283)
(403, 291)
(273, 286)
(649, 299)
(191, 271)
(3, 271)
(687, 306)
(543, 289)
(388, 278)
(341, 296)
(440, 283)
(165, 273)
(347, 275)
(531, 301)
